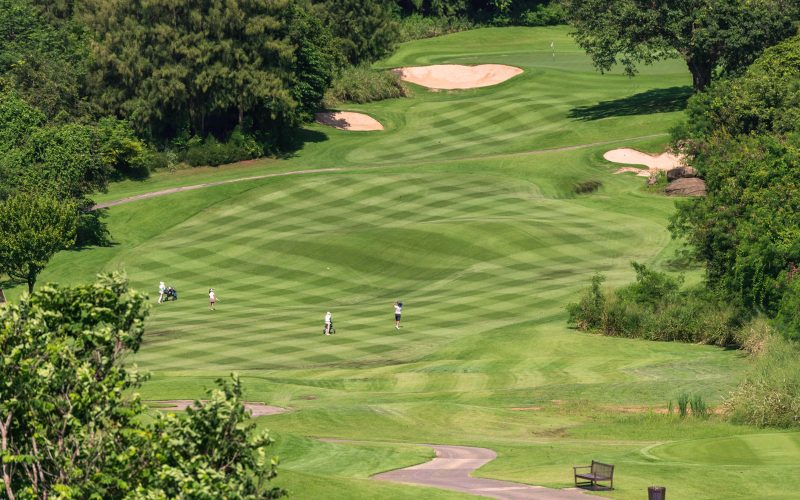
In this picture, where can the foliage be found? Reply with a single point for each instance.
(201, 66)
(417, 26)
(584, 187)
(366, 29)
(709, 34)
(43, 59)
(317, 57)
(744, 139)
(19, 120)
(72, 427)
(211, 152)
(33, 227)
(654, 308)
(360, 84)
(769, 395)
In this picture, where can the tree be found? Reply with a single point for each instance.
(33, 228)
(73, 426)
(317, 57)
(710, 35)
(366, 29)
(195, 66)
(743, 137)
(44, 59)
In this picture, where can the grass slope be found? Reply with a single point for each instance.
(462, 209)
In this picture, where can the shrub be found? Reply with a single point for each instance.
(654, 308)
(360, 84)
(548, 14)
(587, 187)
(416, 26)
(589, 312)
(769, 395)
(210, 151)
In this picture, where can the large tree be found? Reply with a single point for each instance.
(366, 29)
(710, 35)
(33, 228)
(72, 424)
(743, 136)
(195, 66)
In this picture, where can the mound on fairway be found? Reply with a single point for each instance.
(664, 161)
(456, 76)
(347, 120)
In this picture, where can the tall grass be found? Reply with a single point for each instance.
(360, 84)
(769, 395)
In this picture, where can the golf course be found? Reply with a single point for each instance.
(468, 208)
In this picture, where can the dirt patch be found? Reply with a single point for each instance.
(527, 408)
(664, 161)
(257, 409)
(347, 120)
(456, 76)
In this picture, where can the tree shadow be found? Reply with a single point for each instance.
(300, 137)
(643, 103)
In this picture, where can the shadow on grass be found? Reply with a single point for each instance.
(299, 138)
(643, 103)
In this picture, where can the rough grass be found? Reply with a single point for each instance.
(458, 210)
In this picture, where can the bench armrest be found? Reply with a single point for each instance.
(576, 467)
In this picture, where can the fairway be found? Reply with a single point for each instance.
(465, 209)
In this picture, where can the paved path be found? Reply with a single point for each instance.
(489, 156)
(257, 409)
(451, 470)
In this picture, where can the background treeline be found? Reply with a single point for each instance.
(742, 134)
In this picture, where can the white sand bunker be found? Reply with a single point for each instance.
(664, 161)
(456, 76)
(346, 120)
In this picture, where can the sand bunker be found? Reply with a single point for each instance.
(456, 76)
(664, 161)
(346, 120)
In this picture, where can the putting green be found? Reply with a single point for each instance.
(465, 209)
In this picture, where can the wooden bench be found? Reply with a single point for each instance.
(593, 473)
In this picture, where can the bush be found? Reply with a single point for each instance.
(210, 151)
(769, 396)
(543, 15)
(360, 84)
(654, 308)
(416, 26)
(587, 187)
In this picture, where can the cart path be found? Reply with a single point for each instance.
(257, 409)
(163, 192)
(451, 470)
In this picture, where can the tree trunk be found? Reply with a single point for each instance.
(31, 280)
(701, 73)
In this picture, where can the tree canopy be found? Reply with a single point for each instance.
(710, 35)
(71, 421)
(33, 228)
(743, 137)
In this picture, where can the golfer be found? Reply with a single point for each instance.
(212, 298)
(161, 289)
(398, 310)
(328, 321)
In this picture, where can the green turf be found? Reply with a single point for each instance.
(463, 208)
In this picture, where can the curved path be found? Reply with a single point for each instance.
(257, 409)
(163, 192)
(451, 470)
